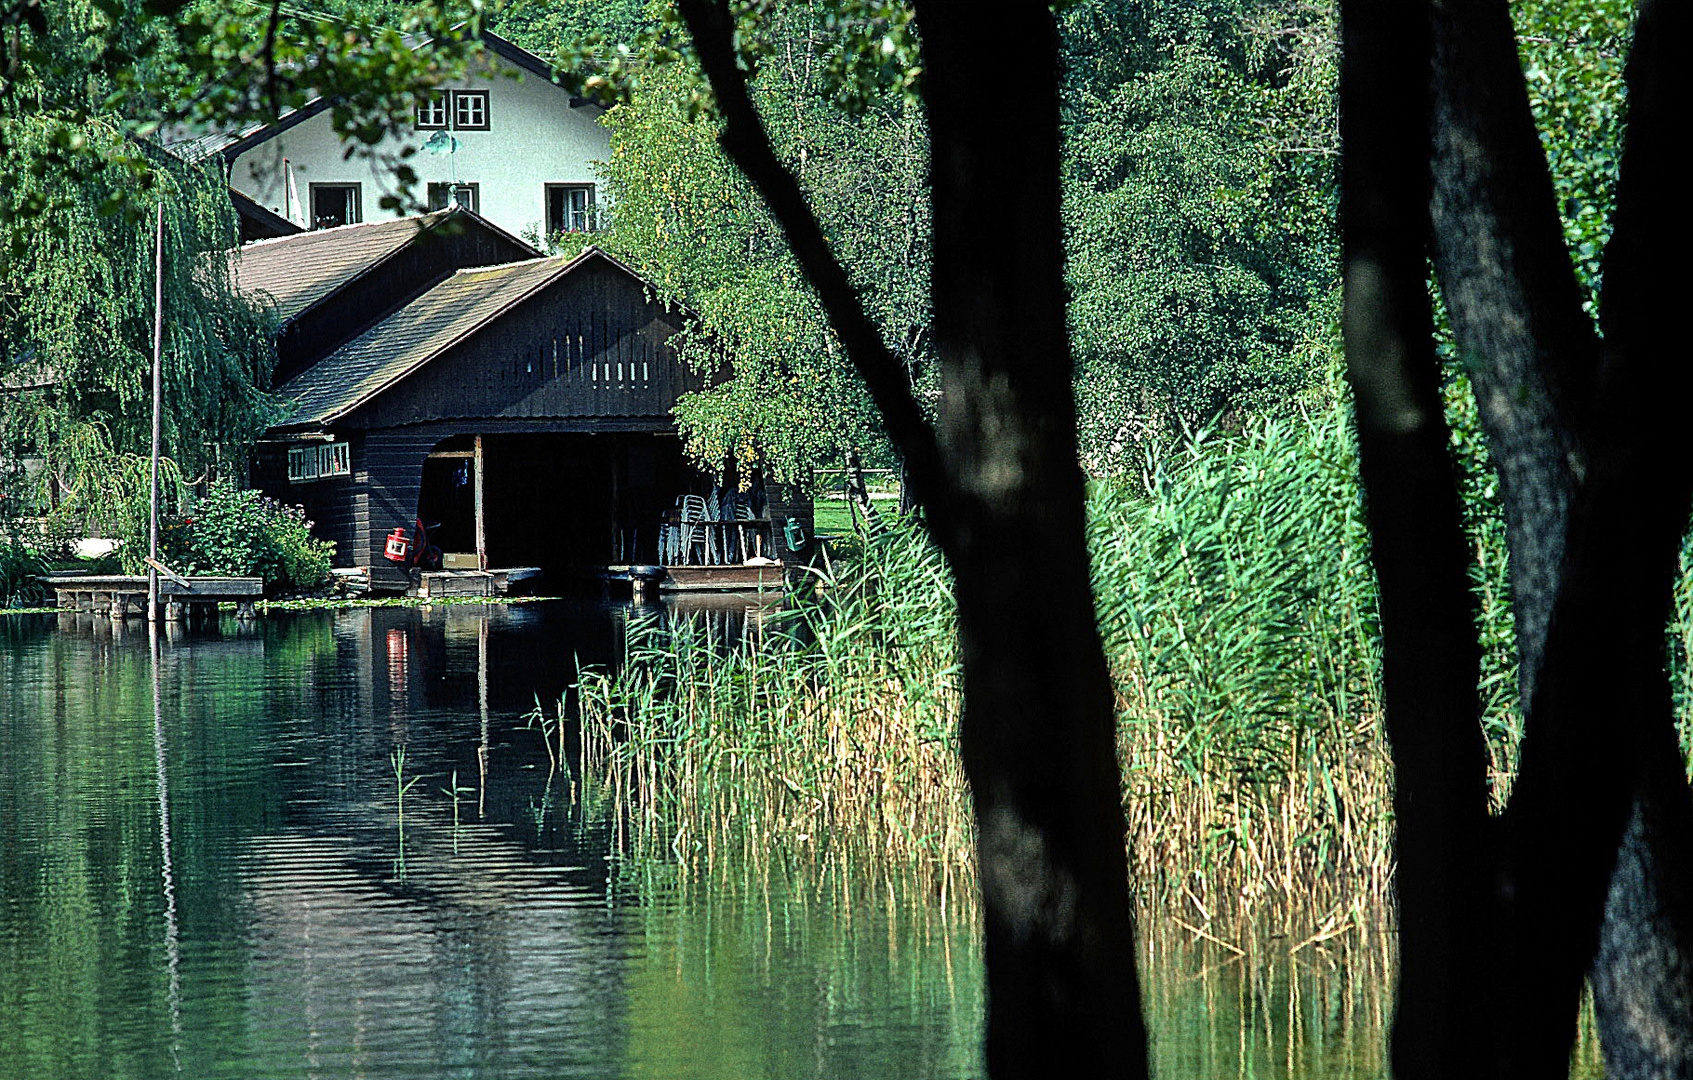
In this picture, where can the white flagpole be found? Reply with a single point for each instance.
(158, 351)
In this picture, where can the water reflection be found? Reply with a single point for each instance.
(204, 872)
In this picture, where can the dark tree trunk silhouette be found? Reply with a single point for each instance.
(1501, 918)
(1596, 497)
(1002, 493)
(1431, 653)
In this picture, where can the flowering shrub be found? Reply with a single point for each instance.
(240, 533)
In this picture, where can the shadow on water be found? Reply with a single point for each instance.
(216, 861)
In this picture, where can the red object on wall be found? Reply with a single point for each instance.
(398, 547)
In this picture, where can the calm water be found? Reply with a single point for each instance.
(204, 872)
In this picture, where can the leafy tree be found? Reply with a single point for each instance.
(1572, 56)
(76, 317)
(1199, 146)
(686, 217)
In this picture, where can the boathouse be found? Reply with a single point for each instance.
(327, 287)
(521, 412)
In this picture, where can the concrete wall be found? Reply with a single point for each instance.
(535, 138)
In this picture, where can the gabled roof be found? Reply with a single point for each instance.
(297, 272)
(231, 143)
(255, 218)
(411, 337)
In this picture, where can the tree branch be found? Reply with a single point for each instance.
(748, 145)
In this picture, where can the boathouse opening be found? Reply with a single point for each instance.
(569, 503)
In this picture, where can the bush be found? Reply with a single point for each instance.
(240, 533)
(21, 570)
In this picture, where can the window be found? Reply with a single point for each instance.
(318, 462)
(470, 110)
(335, 204)
(432, 113)
(570, 208)
(468, 196)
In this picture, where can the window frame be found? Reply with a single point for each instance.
(474, 187)
(588, 217)
(436, 100)
(357, 205)
(471, 95)
(319, 461)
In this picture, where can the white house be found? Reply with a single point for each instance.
(506, 142)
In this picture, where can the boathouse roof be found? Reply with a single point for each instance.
(419, 332)
(295, 273)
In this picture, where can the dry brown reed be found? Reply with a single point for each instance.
(1238, 609)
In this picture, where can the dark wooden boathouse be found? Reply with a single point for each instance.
(521, 411)
(327, 286)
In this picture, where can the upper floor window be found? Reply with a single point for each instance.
(470, 110)
(432, 113)
(461, 110)
(335, 204)
(570, 208)
(468, 196)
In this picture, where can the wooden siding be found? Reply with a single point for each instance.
(387, 287)
(329, 503)
(591, 346)
(390, 476)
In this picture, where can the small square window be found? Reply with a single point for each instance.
(432, 113)
(466, 195)
(570, 208)
(335, 204)
(470, 110)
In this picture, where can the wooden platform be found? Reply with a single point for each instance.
(124, 595)
(432, 584)
(732, 577)
(428, 584)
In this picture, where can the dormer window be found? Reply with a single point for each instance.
(432, 113)
(470, 110)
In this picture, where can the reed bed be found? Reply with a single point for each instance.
(1238, 609)
(826, 740)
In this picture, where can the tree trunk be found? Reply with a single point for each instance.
(1002, 493)
(1580, 438)
(1431, 658)
(1038, 728)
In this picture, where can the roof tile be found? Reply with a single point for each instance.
(413, 335)
(295, 272)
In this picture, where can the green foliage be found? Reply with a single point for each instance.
(21, 570)
(687, 218)
(238, 532)
(76, 323)
(558, 28)
(104, 491)
(1573, 56)
(1199, 203)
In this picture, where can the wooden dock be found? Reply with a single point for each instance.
(124, 595)
(732, 577)
(433, 584)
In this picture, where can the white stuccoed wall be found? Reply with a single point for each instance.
(534, 138)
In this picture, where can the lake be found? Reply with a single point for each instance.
(331, 844)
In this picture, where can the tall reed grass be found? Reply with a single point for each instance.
(826, 739)
(1239, 612)
(1238, 608)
